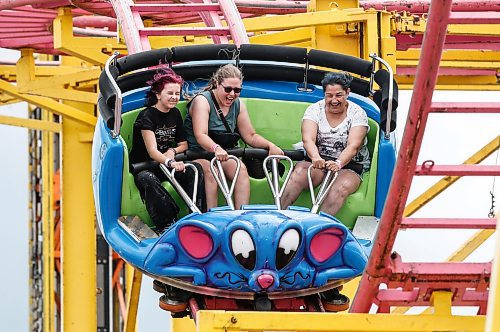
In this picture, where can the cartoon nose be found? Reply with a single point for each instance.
(265, 281)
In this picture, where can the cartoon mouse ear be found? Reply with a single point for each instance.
(326, 243)
(196, 241)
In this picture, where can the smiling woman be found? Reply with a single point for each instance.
(159, 135)
(334, 135)
(215, 121)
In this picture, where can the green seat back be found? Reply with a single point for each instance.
(280, 122)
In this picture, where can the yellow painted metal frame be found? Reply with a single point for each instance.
(79, 296)
(56, 86)
(467, 59)
(30, 123)
(49, 104)
(222, 321)
(95, 50)
(447, 181)
(337, 30)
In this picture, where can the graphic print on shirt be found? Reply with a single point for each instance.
(164, 136)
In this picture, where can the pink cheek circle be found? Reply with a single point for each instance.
(325, 244)
(196, 241)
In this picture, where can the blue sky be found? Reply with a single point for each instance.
(449, 139)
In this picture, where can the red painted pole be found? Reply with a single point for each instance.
(420, 105)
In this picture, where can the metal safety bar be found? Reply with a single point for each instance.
(118, 101)
(323, 189)
(189, 200)
(273, 179)
(220, 178)
(374, 57)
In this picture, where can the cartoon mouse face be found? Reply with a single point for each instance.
(257, 250)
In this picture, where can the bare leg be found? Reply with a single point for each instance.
(242, 187)
(298, 183)
(210, 184)
(345, 184)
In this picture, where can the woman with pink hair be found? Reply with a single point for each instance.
(159, 135)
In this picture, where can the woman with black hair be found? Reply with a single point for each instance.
(334, 136)
(159, 135)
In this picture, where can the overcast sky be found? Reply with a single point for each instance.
(449, 139)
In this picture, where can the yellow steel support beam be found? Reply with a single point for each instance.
(8, 73)
(78, 227)
(133, 278)
(6, 99)
(95, 50)
(387, 41)
(352, 31)
(56, 86)
(222, 321)
(30, 123)
(447, 181)
(290, 37)
(493, 312)
(171, 41)
(48, 227)
(441, 301)
(67, 111)
(185, 324)
(292, 21)
(471, 245)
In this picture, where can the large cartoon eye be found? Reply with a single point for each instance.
(287, 248)
(326, 243)
(243, 249)
(196, 241)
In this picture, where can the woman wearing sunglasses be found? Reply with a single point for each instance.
(216, 119)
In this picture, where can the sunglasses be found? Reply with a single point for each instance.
(228, 89)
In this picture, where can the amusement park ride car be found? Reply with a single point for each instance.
(68, 66)
(197, 253)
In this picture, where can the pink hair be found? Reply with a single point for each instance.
(162, 76)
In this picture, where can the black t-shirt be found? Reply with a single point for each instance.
(167, 127)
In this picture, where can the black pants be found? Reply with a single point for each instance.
(160, 205)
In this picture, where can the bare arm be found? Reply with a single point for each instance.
(309, 133)
(150, 142)
(181, 147)
(249, 135)
(354, 142)
(200, 113)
